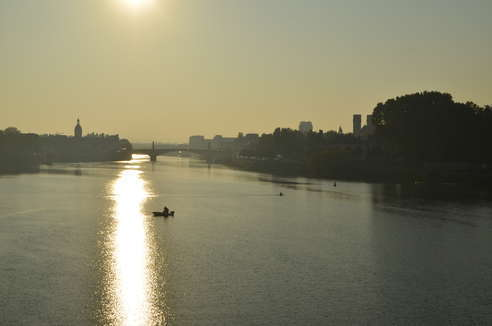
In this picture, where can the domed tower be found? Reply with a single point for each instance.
(78, 130)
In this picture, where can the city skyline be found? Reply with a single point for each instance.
(245, 162)
(179, 68)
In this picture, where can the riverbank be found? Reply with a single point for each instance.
(18, 169)
(425, 180)
(350, 170)
(25, 153)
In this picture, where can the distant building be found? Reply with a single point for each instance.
(366, 131)
(357, 124)
(252, 136)
(78, 130)
(370, 124)
(223, 143)
(250, 139)
(369, 121)
(306, 127)
(243, 140)
(199, 142)
(91, 148)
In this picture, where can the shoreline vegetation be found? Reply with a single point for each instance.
(371, 171)
(25, 153)
(423, 139)
(457, 180)
(419, 139)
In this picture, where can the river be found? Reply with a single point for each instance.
(78, 246)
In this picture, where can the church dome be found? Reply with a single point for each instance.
(78, 130)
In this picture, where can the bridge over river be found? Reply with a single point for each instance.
(209, 154)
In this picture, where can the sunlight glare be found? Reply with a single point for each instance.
(137, 4)
(131, 254)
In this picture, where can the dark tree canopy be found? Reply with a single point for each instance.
(293, 144)
(18, 151)
(11, 131)
(431, 127)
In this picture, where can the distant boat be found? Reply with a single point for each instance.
(161, 214)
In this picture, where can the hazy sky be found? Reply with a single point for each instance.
(173, 68)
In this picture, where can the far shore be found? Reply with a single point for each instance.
(434, 181)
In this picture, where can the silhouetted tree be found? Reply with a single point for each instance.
(431, 127)
(12, 131)
(18, 152)
(294, 145)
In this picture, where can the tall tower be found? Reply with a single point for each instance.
(305, 127)
(78, 130)
(357, 124)
(370, 124)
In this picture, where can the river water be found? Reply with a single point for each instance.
(78, 246)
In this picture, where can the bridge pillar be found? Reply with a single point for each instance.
(153, 154)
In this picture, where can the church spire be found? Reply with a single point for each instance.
(78, 129)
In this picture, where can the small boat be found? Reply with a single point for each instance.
(161, 214)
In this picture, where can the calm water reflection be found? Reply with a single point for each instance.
(132, 276)
(78, 246)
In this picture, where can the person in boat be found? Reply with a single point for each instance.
(165, 212)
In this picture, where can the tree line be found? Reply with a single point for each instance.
(292, 144)
(420, 127)
(432, 127)
(411, 133)
(18, 151)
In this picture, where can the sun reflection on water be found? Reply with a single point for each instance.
(131, 281)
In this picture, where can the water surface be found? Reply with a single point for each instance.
(78, 246)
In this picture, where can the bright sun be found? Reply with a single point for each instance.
(135, 4)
